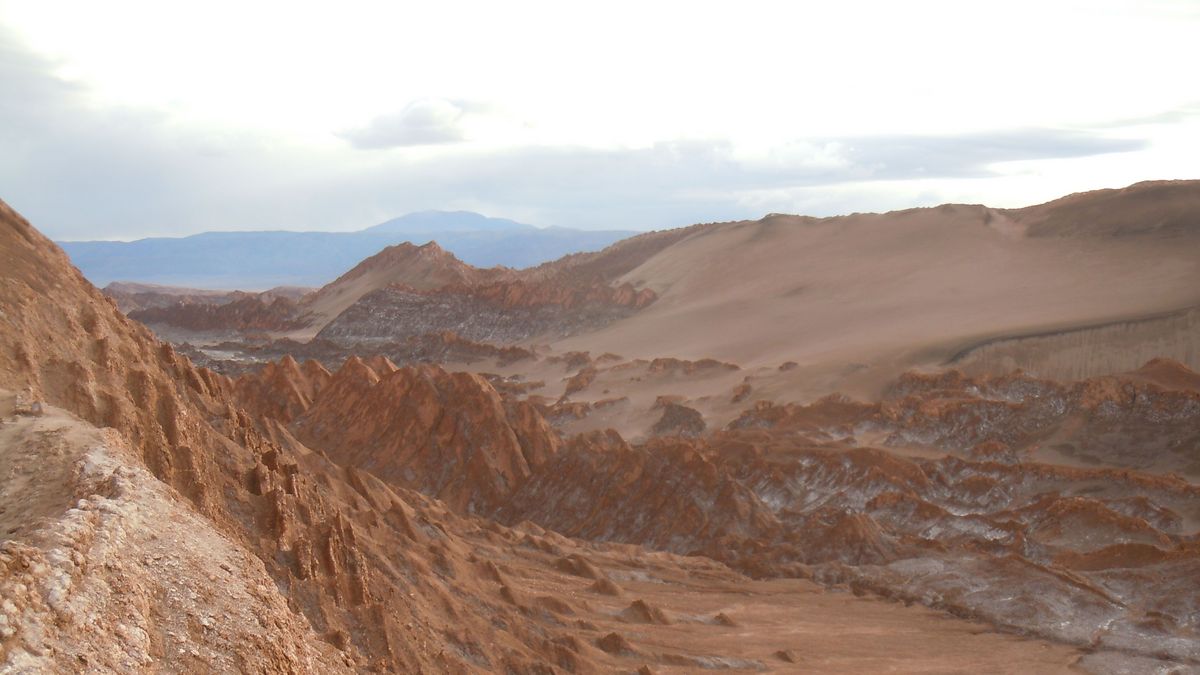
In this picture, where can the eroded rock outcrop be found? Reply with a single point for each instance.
(449, 435)
(235, 358)
(247, 313)
(1147, 419)
(1011, 545)
(502, 314)
(678, 420)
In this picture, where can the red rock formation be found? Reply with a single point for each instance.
(449, 435)
(246, 313)
(679, 420)
(1126, 420)
(786, 493)
(581, 380)
(521, 293)
(425, 267)
(661, 366)
(443, 347)
(131, 296)
(403, 275)
(282, 391)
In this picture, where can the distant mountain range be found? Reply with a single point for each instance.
(265, 259)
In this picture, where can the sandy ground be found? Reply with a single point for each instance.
(855, 300)
(717, 619)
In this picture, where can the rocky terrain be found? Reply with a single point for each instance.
(236, 357)
(248, 313)
(505, 313)
(968, 504)
(635, 460)
(134, 296)
(407, 291)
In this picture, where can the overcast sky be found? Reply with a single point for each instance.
(122, 119)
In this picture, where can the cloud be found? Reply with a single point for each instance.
(968, 155)
(1183, 113)
(680, 182)
(424, 122)
(82, 171)
(64, 159)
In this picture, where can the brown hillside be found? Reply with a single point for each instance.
(855, 300)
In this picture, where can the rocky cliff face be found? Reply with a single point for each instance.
(246, 313)
(282, 391)
(448, 435)
(131, 296)
(104, 569)
(1147, 420)
(424, 268)
(237, 358)
(500, 314)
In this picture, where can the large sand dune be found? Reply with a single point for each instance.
(879, 293)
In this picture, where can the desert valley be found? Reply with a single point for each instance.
(948, 439)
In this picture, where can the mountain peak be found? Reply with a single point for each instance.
(432, 222)
(431, 259)
(423, 267)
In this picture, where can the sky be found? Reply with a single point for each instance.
(132, 118)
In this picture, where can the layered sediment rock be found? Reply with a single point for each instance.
(247, 313)
(449, 435)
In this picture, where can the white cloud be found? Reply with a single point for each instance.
(424, 122)
(236, 116)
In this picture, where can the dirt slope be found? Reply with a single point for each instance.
(878, 293)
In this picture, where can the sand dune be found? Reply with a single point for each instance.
(1087, 351)
(885, 292)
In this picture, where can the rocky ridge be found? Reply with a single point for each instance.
(132, 296)
(243, 357)
(250, 312)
